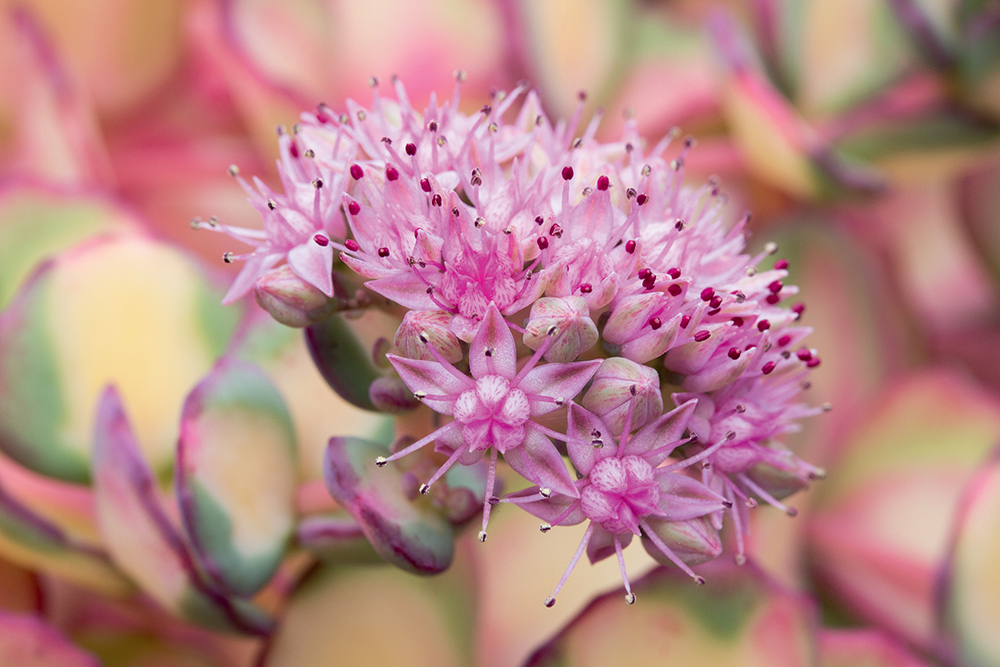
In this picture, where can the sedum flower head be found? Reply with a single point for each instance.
(618, 279)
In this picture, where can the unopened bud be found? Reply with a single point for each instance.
(290, 299)
(423, 328)
(564, 320)
(612, 391)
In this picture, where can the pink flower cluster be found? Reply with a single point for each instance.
(535, 265)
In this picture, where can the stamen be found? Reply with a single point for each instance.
(551, 600)
(668, 552)
(629, 595)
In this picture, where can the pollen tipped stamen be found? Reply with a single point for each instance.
(491, 478)
(551, 600)
(629, 595)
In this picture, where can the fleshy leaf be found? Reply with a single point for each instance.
(345, 365)
(32, 540)
(429, 620)
(405, 533)
(236, 473)
(125, 309)
(878, 533)
(863, 648)
(738, 618)
(36, 223)
(970, 608)
(28, 641)
(316, 412)
(142, 538)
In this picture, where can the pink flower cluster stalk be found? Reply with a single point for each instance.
(618, 279)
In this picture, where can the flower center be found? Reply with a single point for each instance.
(620, 493)
(493, 414)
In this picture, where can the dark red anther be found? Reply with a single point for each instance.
(556, 231)
(567, 173)
(293, 148)
(391, 173)
(352, 245)
(679, 225)
(784, 340)
(641, 199)
(776, 286)
(649, 281)
(685, 321)
(357, 173)
(411, 149)
(767, 368)
(354, 208)
(321, 240)
(383, 252)
(675, 289)
(674, 273)
(763, 325)
(630, 247)
(655, 323)
(804, 354)
(436, 200)
(799, 308)
(714, 311)
(603, 183)
(539, 220)
(734, 353)
(586, 288)
(749, 347)
(707, 294)
(781, 264)
(773, 299)
(701, 336)
(716, 301)
(738, 321)
(812, 363)
(425, 185)
(432, 126)
(542, 242)
(645, 273)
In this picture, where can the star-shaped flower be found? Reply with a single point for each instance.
(495, 408)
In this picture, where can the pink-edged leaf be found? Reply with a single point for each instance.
(408, 534)
(585, 430)
(668, 428)
(142, 538)
(28, 641)
(559, 381)
(314, 264)
(538, 461)
(238, 525)
(739, 618)
(493, 350)
(433, 379)
(683, 497)
(864, 647)
(968, 607)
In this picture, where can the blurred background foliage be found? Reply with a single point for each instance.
(863, 135)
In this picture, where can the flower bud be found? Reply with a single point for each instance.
(290, 299)
(569, 318)
(617, 383)
(423, 328)
(694, 541)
